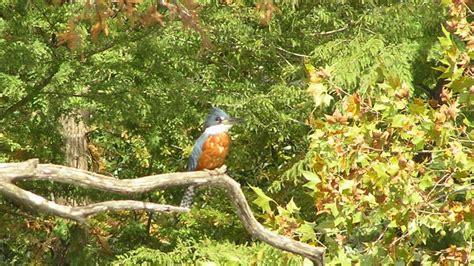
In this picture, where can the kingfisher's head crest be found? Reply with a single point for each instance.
(218, 121)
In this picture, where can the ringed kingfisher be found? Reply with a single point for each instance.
(211, 148)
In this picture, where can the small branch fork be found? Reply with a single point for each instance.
(32, 170)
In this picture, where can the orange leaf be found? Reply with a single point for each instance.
(95, 30)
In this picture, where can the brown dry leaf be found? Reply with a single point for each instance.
(387, 133)
(316, 76)
(452, 25)
(265, 8)
(440, 116)
(190, 4)
(130, 12)
(450, 111)
(352, 106)
(339, 148)
(70, 37)
(453, 110)
(433, 103)
(106, 29)
(464, 60)
(104, 244)
(95, 30)
(376, 134)
(402, 162)
(330, 119)
(340, 239)
(445, 95)
(323, 73)
(470, 44)
(310, 72)
(380, 199)
(403, 92)
(151, 17)
(320, 208)
(103, 240)
(336, 117)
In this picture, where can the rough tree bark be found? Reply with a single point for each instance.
(32, 170)
(75, 141)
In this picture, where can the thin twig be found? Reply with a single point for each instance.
(324, 33)
(466, 188)
(289, 52)
(443, 179)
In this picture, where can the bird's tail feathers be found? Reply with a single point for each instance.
(187, 200)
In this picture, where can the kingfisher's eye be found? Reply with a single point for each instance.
(219, 119)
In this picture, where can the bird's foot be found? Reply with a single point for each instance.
(222, 169)
(218, 171)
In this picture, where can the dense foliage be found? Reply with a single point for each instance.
(358, 133)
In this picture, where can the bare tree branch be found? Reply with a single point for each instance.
(324, 33)
(289, 52)
(332, 31)
(79, 213)
(31, 170)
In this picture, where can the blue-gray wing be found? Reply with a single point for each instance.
(196, 154)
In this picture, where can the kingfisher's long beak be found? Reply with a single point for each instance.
(233, 121)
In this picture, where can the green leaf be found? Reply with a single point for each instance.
(419, 142)
(339, 220)
(426, 182)
(380, 170)
(415, 198)
(398, 121)
(370, 198)
(357, 218)
(445, 32)
(291, 207)
(306, 232)
(333, 208)
(346, 184)
(327, 99)
(467, 122)
(446, 3)
(392, 224)
(312, 178)
(413, 227)
(319, 92)
(262, 200)
(393, 167)
(379, 107)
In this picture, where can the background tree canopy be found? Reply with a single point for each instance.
(358, 135)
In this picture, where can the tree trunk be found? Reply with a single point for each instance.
(75, 132)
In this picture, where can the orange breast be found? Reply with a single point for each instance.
(214, 151)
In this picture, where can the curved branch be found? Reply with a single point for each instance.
(79, 213)
(31, 170)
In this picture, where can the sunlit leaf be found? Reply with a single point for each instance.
(262, 200)
(306, 232)
(426, 182)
